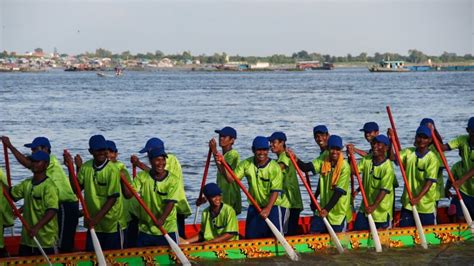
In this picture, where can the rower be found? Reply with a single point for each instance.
(291, 189)
(41, 204)
(370, 129)
(68, 213)
(265, 181)
(321, 136)
(421, 166)
(377, 177)
(218, 221)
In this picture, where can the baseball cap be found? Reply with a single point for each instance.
(111, 146)
(39, 156)
(423, 130)
(227, 132)
(369, 127)
(277, 135)
(259, 143)
(320, 129)
(152, 143)
(39, 141)
(335, 141)
(211, 190)
(382, 139)
(97, 142)
(426, 121)
(157, 153)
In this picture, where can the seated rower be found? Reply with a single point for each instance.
(465, 188)
(218, 221)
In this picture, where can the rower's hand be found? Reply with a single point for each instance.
(265, 212)
(6, 142)
(201, 201)
(78, 161)
(370, 209)
(323, 213)
(415, 201)
(91, 222)
(33, 231)
(350, 149)
(134, 160)
(457, 184)
(219, 158)
(67, 159)
(213, 145)
(160, 222)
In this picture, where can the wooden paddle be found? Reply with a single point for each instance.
(392, 123)
(95, 240)
(179, 253)
(289, 250)
(373, 228)
(203, 183)
(25, 224)
(7, 164)
(416, 216)
(333, 235)
(465, 211)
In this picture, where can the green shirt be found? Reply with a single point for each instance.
(458, 171)
(38, 199)
(230, 191)
(467, 153)
(262, 181)
(440, 178)
(156, 194)
(342, 209)
(376, 178)
(291, 187)
(173, 166)
(59, 177)
(100, 185)
(418, 171)
(215, 226)
(127, 203)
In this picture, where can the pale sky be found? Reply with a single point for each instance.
(244, 27)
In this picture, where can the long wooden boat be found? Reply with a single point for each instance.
(257, 248)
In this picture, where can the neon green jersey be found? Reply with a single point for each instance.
(215, 226)
(127, 203)
(156, 194)
(342, 209)
(419, 170)
(100, 185)
(291, 186)
(59, 177)
(467, 152)
(38, 199)
(6, 215)
(173, 166)
(458, 171)
(230, 191)
(262, 181)
(376, 178)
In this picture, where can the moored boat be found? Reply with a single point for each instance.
(256, 248)
(389, 66)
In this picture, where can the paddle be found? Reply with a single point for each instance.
(289, 250)
(334, 238)
(7, 164)
(134, 171)
(416, 216)
(392, 123)
(23, 221)
(179, 253)
(465, 211)
(95, 240)
(203, 182)
(373, 228)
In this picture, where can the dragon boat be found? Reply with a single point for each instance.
(396, 237)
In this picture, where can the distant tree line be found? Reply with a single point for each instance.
(414, 56)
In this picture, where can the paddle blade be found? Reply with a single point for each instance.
(289, 250)
(375, 235)
(333, 235)
(467, 216)
(97, 248)
(419, 227)
(179, 253)
(196, 215)
(42, 250)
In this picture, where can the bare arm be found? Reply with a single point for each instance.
(424, 190)
(464, 178)
(266, 211)
(103, 211)
(22, 159)
(168, 208)
(377, 201)
(50, 214)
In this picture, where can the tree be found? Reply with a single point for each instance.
(102, 53)
(4, 54)
(362, 57)
(39, 50)
(159, 54)
(416, 56)
(125, 55)
(448, 57)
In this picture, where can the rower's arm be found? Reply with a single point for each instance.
(20, 157)
(166, 212)
(465, 177)
(104, 210)
(333, 201)
(424, 190)
(48, 216)
(379, 198)
(306, 167)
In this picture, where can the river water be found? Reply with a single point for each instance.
(184, 109)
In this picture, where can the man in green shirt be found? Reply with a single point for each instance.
(466, 190)
(41, 203)
(218, 221)
(159, 189)
(370, 129)
(291, 188)
(265, 181)
(421, 167)
(377, 178)
(68, 214)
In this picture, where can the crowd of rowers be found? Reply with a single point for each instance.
(51, 206)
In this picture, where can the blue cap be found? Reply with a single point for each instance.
(40, 156)
(335, 141)
(97, 142)
(424, 130)
(277, 135)
(470, 124)
(211, 190)
(111, 146)
(369, 127)
(39, 141)
(227, 132)
(426, 121)
(320, 129)
(260, 143)
(153, 143)
(382, 139)
(157, 153)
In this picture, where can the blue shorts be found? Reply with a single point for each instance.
(362, 222)
(406, 218)
(256, 227)
(468, 201)
(318, 226)
(146, 240)
(107, 241)
(293, 219)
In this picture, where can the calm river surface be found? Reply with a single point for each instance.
(184, 109)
